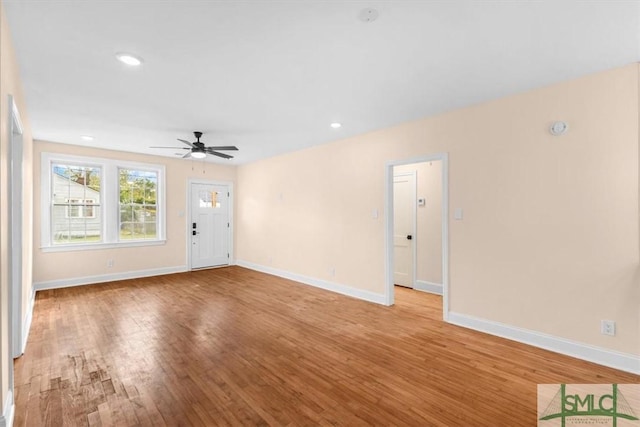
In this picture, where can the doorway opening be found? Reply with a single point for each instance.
(416, 226)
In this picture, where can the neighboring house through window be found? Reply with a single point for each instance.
(81, 208)
(75, 203)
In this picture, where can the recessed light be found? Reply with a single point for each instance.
(87, 138)
(129, 59)
(336, 125)
(198, 155)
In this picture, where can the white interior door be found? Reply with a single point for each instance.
(404, 210)
(209, 231)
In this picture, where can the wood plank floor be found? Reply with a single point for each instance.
(236, 347)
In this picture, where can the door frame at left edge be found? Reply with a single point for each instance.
(229, 185)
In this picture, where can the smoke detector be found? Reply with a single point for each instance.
(368, 15)
(558, 128)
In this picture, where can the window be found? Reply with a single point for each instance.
(138, 204)
(209, 199)
(73, 219)
(88, 202)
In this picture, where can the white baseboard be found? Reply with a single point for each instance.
(318, 283)
(28, 317)
(433, 288)
(602, 356)
(89, 280)
(6, 419)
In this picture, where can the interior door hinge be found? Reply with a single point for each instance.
(228, 194)
(227, 225)
(227, 255)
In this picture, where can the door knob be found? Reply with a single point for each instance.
(409, 237)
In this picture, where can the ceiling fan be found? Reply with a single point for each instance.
(198, 150)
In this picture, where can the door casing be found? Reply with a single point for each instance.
(15, 229)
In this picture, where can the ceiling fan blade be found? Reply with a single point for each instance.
(187, 155)
(173, 148)
(224, 147)
(215, 153)
(187, 142)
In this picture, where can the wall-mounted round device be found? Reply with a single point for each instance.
(558, 128)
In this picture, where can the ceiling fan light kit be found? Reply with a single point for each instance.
(197, 149)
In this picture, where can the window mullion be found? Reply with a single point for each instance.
(110, 206)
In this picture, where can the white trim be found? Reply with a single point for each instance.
(229, 185)
(318, 283)
(16, 115)
(425, 286)
(93, 246)
(15, 229)
(445, 236)
(27, 321)
(6, 419)
(602, 356)
(388, 234)
(90, 280)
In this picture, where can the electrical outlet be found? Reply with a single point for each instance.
(608, 327)
(109, 263)
(332, 271)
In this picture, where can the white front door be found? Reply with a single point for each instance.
(209, 228)
(404, 193)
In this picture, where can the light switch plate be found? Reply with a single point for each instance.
(457, 213)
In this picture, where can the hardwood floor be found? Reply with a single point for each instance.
(236, 347)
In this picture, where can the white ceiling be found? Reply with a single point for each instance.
(270, 76)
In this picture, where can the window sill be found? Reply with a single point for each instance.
(90, 246)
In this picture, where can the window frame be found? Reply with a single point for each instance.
(109, 202)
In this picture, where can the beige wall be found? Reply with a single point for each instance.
(10, 85)
(549, 240)
(428, 219)
(49, 266)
